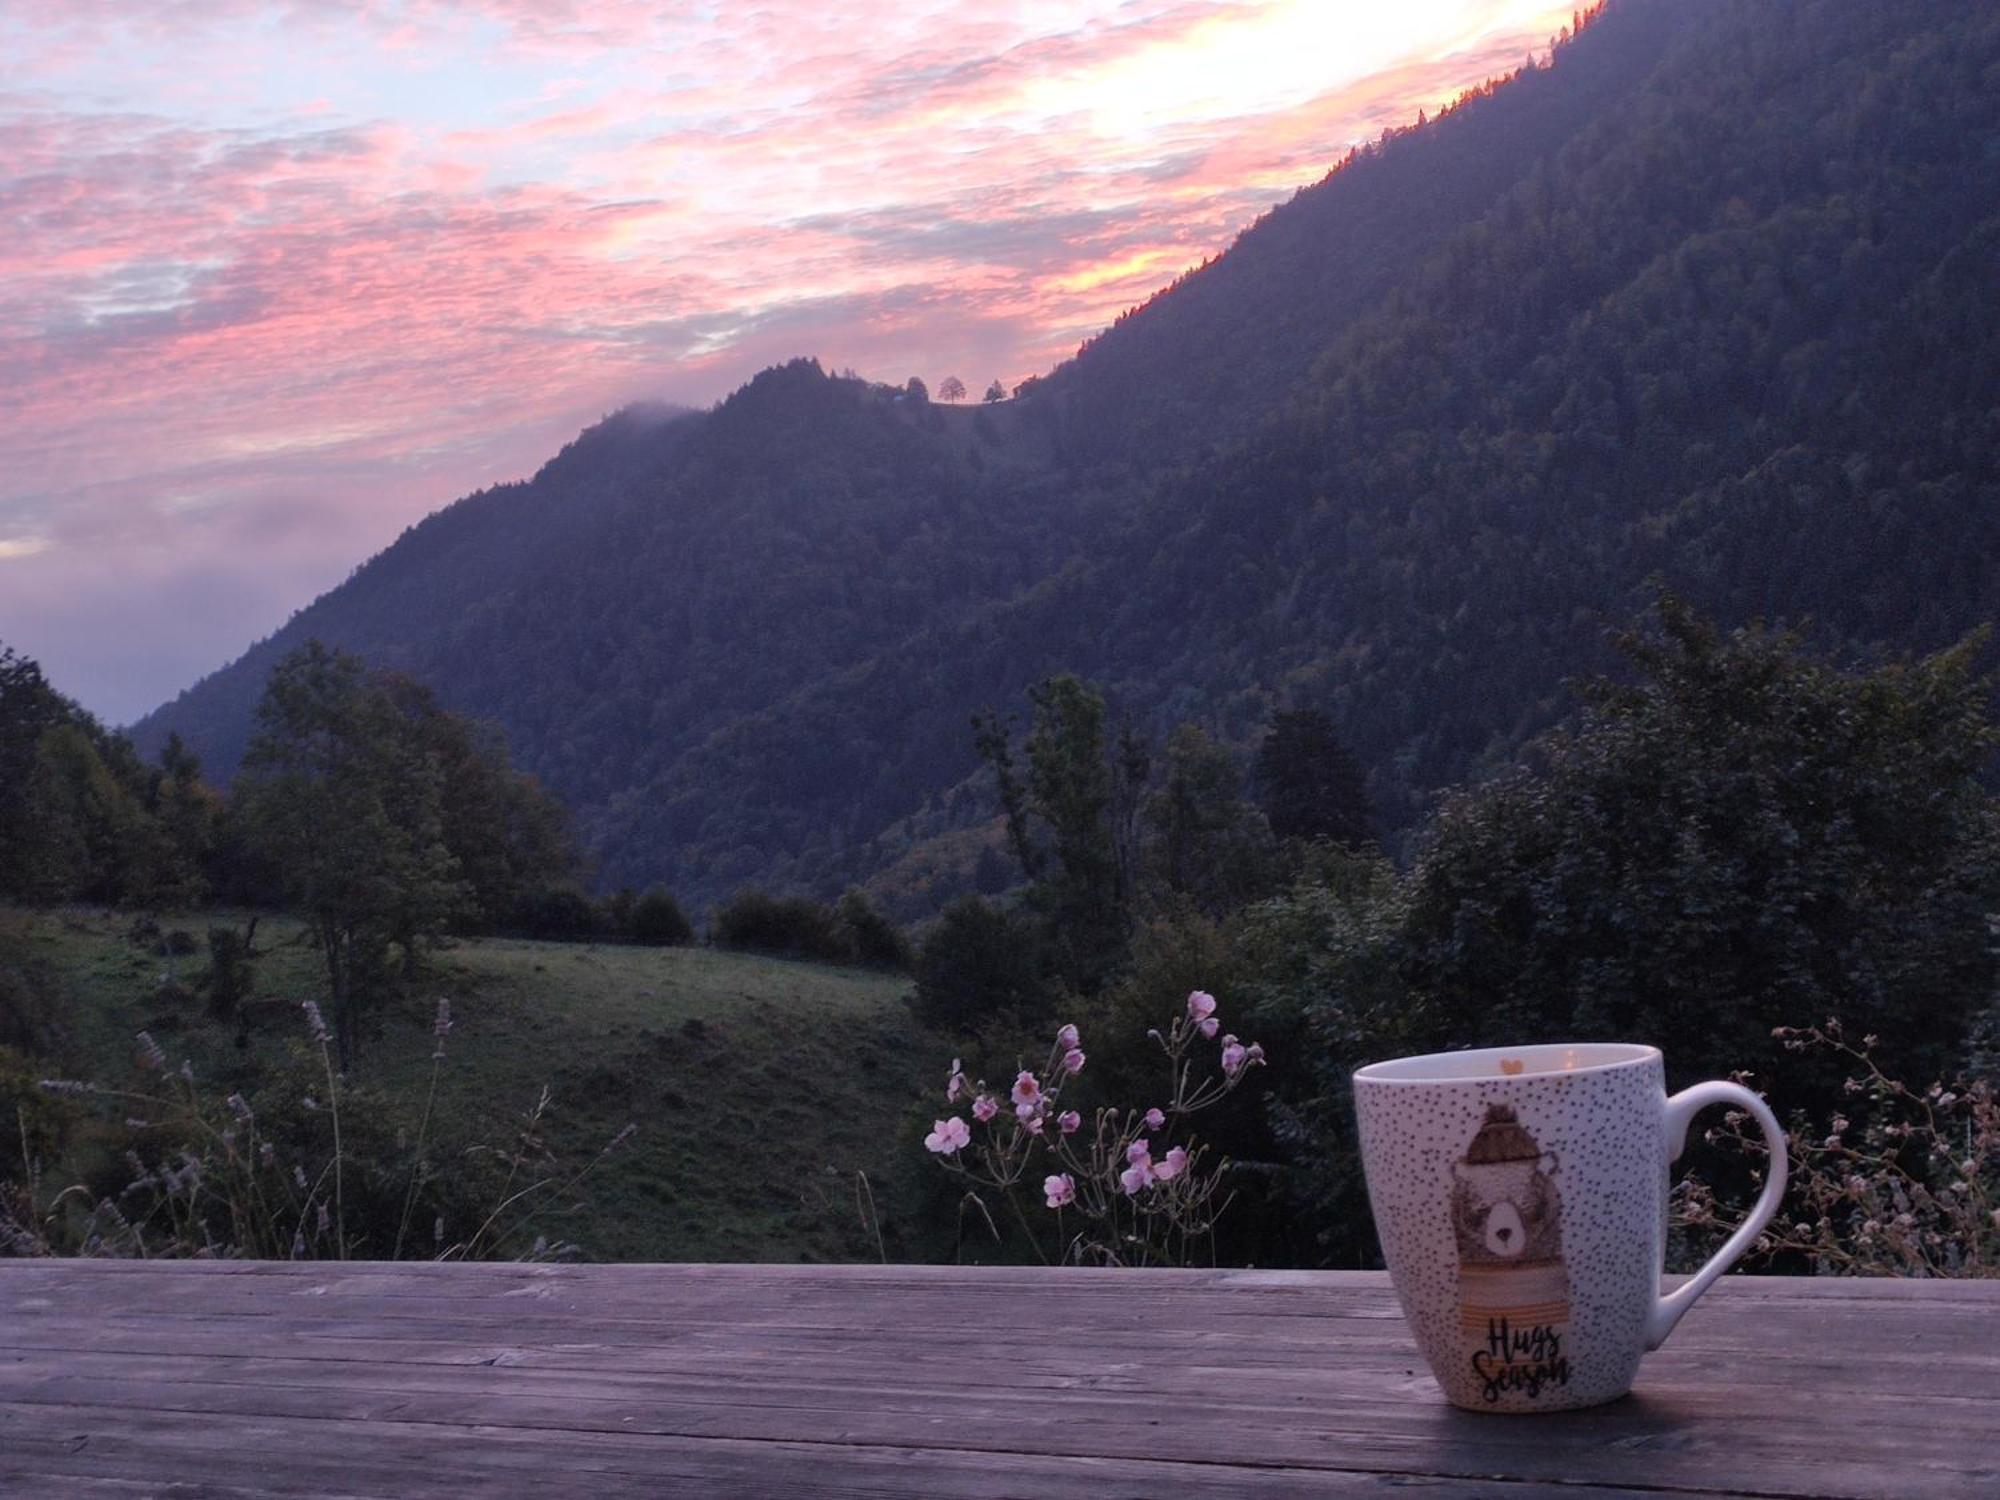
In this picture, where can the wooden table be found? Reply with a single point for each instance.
(218, 1379)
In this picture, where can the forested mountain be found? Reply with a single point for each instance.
(1710, 300)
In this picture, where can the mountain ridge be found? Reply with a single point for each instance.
(1727, 333)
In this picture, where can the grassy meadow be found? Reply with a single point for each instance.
(761, 1088)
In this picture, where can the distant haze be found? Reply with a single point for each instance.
(279, 279)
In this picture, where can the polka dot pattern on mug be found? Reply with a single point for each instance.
(1523, 1217)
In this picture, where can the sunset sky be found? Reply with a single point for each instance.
(277, 279)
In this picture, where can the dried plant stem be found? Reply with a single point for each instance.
(872, 1216)
(417, 1158)
(339, 1191)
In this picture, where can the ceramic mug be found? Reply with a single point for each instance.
(1521, 1197)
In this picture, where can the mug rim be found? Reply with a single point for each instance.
(1541, 1059)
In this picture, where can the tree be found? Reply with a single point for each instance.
(1207, 843)
(190, 815)
(28, 707)
(342, 796)
(1073, 822)
(506, 835)
(916, 390)
(996, 392)
(1308, 785)
(953, 389)
(990, 874)
(76, 821)
(1745, 837)
(85, 833)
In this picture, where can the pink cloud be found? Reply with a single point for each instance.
(356, 308)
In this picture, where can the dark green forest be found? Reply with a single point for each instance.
(1706, 301)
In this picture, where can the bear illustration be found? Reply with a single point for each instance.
(1513, 1293)
(1504, 1203)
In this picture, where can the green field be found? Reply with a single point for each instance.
(760, 1087)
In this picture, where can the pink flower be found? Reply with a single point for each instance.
(1068, 1038)
(1073, 1061)
(1210, 1026)
(1174, 1163)
(984, 1108)
(1155, 1120)
(1026, 1090)
(955, 1084)
(1233, 1053)
(1032, 1124)
(1059, 1189)
(1201, 1005)
(1255, 1054)
(1140, 1171)
(1069, 1120)
(1025, 1112)
(947, 1136)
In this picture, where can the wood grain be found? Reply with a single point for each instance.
(122, 1378)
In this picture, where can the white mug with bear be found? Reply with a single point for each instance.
(1521, 1197)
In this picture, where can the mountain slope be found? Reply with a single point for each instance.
(1707, 300)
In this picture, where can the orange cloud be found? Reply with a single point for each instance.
(215, 300)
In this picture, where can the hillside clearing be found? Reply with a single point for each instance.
(761, 1088)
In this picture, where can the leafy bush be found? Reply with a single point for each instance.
(557, 914)
(785, 926)
(229, 974)
(978, 964)
(657, 920)
(872, 940)
(1745, 835)
(31, 1008)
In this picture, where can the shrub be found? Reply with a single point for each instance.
(871, 938)
(229, 976)
(557, 914)
(789, 927)
(656, 919)
(978, 964)
(31, 1009)
(1745, 835)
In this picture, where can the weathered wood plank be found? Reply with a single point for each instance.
(1278, 1360)
(1775, 1388)
(496, 1278)
(1675, 1445)
(421, 1462)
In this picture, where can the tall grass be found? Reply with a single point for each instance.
(212, 1177)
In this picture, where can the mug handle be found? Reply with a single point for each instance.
(1682, 1108)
